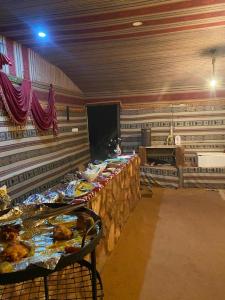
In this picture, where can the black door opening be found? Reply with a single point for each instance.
(103, 125)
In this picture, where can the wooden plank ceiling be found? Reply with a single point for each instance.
(95, 44)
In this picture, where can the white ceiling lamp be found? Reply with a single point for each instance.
(213, 83)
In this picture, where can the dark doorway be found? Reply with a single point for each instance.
(103, 125)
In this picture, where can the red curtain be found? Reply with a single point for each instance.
(20, 101)
(4, 60)
(45, 118)
(16, 101)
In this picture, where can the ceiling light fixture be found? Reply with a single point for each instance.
(42, 34)
(213, 82)
(137, 23)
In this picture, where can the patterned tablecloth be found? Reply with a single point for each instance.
(113, 201)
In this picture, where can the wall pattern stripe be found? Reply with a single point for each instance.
(201, 125)
(25, 152)
(50, 178)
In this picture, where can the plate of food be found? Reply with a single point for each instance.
(44, 245)
(83, 188)
(79, 190)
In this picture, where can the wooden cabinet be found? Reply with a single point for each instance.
(173, 155)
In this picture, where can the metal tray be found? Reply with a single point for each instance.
(33, 271)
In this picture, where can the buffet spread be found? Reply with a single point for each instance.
(47, 227)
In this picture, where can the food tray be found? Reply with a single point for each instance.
(87, 245)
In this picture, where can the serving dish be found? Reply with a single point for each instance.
(48, 254)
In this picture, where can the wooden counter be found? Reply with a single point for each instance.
(175, 153)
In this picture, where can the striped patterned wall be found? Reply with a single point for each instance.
(43, 72)
(211, 178)
(163, 176)
(31, 161)
(201, 125)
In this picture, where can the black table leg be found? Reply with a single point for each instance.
(46, 287)
(93, 277)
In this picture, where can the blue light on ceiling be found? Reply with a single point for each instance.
(42, 34)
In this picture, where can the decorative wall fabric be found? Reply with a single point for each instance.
(44, 118)
(164, 176)
(30, 161)
(201, 126)
(4, 60)
(188, 177)
(42, 71)
(18, 102)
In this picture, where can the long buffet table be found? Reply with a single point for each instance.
(113, 203)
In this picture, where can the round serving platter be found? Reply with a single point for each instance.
(33, 270)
